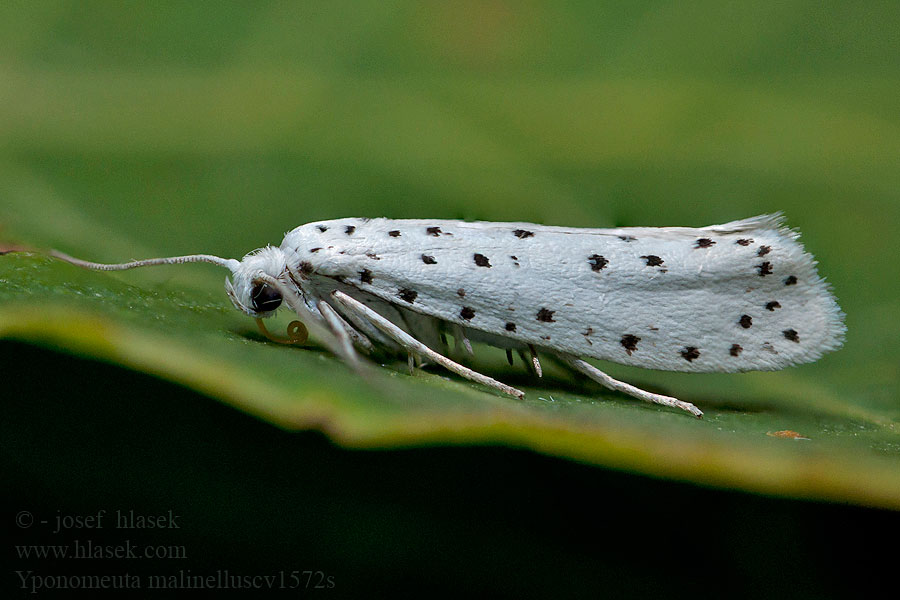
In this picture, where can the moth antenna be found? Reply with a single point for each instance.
(229, 263)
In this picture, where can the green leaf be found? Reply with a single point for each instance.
(219, 144)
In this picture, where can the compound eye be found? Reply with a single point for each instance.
(264, 298)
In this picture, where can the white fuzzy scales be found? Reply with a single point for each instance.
(734, 297)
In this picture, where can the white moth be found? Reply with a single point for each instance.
(735, 297)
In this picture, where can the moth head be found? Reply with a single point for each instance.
(250, 288)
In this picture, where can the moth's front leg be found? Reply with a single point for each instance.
(341, 330)
(414, 346)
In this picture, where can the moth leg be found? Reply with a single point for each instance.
(459, 337)
(339, 328)
(367, 330)
(412, 345)
(535, 361)
(526, 360)
(359, 339)
(620, 386)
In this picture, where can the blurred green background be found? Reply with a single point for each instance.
(130, 130)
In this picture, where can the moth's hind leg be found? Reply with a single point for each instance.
(620, 386)
(414, 346)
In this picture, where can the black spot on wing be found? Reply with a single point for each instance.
(435, 231)
(792, 335)
(773, 305)
(482, 261)
(510, 326)
(522, 234)
(763, 250)
(322, 228)
(597, 262)
(545, 316)
(704, 243)
(428, 260)
(467, 313)
(629, 342)
(736, 350)
(690, 353)
(365, 276)
(746, 321)
(627, 238)
(744, 242)
(461, 293)
(765, 269)
(790, 280)
(314, 250)
(653, 260)
(394, 233)
(373, 256)
(349, 229)
(306, 267)
(407, 295)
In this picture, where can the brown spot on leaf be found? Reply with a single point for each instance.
(788, 434)
(482, 261)
(629, 342)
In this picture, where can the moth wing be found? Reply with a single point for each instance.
(733, 297)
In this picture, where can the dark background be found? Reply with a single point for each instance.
(254, 499)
